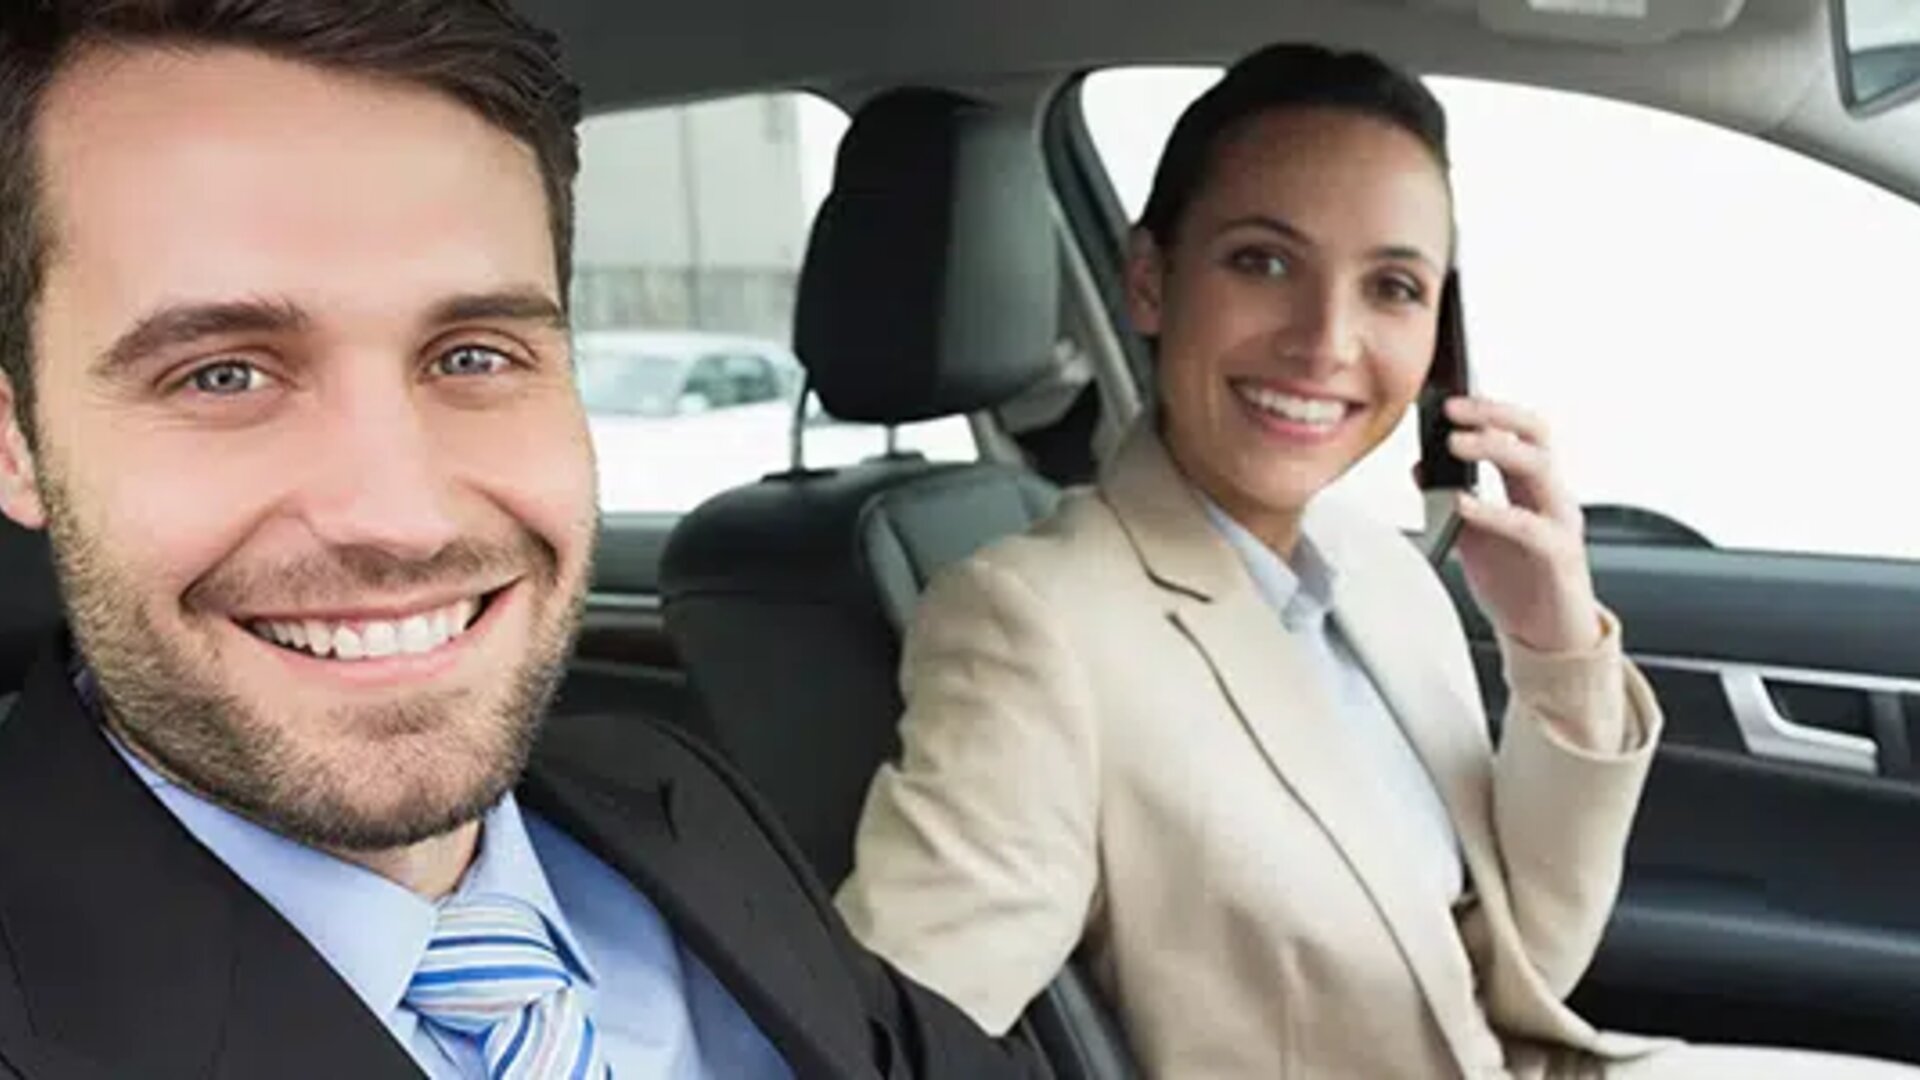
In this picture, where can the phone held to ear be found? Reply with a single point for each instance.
(1443, 477)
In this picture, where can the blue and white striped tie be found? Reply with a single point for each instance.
(491, 972)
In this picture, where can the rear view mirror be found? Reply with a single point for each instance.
(1877, 53)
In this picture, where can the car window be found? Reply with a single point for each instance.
(750, 378)
(692, 223)
(614, 383)
(723, 381)
(709, 382)
(1719, 329)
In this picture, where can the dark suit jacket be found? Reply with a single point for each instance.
(127, 950)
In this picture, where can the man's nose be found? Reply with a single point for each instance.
(379, 478)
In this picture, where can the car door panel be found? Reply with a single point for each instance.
(622, 624)
(1771, 895)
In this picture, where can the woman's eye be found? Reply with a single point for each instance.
(1259, 263)
(471, 360)
(228, 378)
(1397, 290)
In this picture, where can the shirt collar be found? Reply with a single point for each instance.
(372, 931)
(1302, 591)
(508, 865)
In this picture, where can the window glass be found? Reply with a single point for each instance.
(616, 383)
(692, 224)
(1718, 328)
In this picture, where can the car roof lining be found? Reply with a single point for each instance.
(1769, 74)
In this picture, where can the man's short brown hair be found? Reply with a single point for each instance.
(479, 52)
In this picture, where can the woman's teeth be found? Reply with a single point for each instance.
(1317, 412)
(377, 639)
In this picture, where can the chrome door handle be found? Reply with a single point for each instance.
(1767, 733)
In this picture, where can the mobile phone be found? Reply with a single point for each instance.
(1444, 476)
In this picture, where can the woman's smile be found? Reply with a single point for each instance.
(1294, 416)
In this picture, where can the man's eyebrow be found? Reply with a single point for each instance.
(183, 324)
(511, 305)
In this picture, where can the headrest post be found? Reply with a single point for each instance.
(797, 433)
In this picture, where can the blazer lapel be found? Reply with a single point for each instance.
(1448, 730)
(133, 945)
(1279, 696)
(696, 871)
(1446, 727)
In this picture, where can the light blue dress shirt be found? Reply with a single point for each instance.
(660, 1012)
(1302, 597)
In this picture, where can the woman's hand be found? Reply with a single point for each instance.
(1526, 561)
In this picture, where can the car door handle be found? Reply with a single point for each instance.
(1768, 733)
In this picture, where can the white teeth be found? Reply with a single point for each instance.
(380, 640)
(416, 635)
(319, 638)
(1319, 412)
(347, 644)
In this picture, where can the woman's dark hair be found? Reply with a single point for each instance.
(1283, 77)
(478, 52)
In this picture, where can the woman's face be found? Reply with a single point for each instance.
(1296, 309)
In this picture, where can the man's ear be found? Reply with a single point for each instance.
(1146, 282)
(20, 495)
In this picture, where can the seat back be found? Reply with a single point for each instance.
(786, 601)
(929, 290)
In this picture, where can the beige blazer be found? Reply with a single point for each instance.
(1112, 744)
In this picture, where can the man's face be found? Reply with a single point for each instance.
(318, 481)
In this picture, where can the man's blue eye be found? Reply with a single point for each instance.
(227, 379)
(472, 360)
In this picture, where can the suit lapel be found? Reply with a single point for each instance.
(699, 873)
(138, 951)
(133, 945)
(1447, 731)
(1280, 697)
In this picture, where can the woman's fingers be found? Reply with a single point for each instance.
(1522, 526)
(1527, 470)
(1476, 412)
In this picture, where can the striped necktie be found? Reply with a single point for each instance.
(492, 973)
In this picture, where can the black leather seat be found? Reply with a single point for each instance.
(930, 289)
